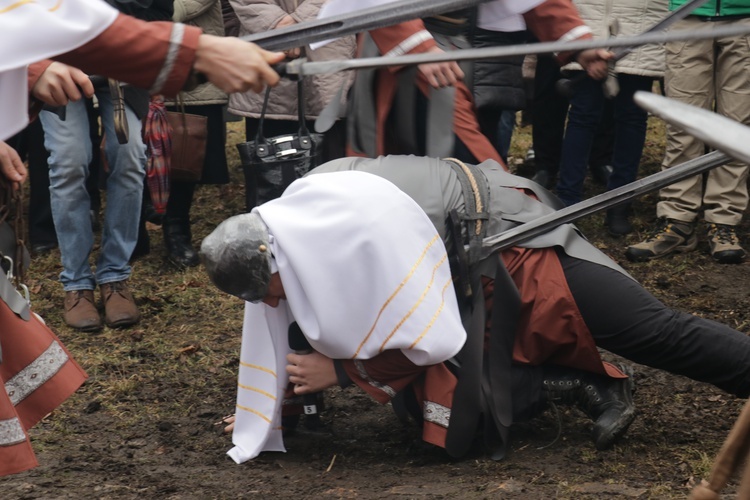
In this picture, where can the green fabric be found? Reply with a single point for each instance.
(717, 8)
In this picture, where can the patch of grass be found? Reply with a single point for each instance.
(700, 463)
(146, 415)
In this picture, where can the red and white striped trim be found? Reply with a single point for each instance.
(409, 44)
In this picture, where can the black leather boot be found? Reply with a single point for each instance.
(177, 240)
(618, 222)
(607, 401)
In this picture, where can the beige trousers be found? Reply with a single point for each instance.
(705, 73)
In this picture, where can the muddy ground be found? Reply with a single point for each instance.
(144, 424)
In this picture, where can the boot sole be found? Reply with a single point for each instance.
(627, 417)
(87, 329)
(122, 323)
(729, 259)
(618, 431)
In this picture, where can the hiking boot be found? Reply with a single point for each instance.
(668, 236)
(725, 246)
(80, 311)
(607, 401)
(119, 306)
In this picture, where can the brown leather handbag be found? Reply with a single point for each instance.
(189, 134)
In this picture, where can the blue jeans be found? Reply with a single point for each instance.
(69, 145)
(584, 117)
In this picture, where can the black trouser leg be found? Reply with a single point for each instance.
(41, 228)
(176, 225)
(180, 201)
(628, 321)
(549, 110)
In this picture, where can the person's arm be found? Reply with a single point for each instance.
(558, 20)
(257, 16)
(56, 84)
(412, 37)
(307, 10)
(11, 165)
(381, 376)
(162, 57)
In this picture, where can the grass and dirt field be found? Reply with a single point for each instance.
(145, 423)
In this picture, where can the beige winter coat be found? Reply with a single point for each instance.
(262, 15)
(206, 14)
(634, 16)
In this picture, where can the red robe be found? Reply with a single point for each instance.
(37, 371)
(38, 374)
(551, 330)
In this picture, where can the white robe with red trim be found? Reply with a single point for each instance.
(32, 31)
(364, 270)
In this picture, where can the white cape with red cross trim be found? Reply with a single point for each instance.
(33, 31)
(364, 270)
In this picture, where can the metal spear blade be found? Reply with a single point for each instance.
(717, 131)
(319, 30)
(546, 223)
(303, 67)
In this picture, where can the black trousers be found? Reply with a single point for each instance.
(627, 320)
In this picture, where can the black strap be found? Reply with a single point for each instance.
(497, 387)
(304, 133)
(484, 377)
(476, 198)
(466, 408)
(458, 259)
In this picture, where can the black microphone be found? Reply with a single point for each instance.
(299, 344)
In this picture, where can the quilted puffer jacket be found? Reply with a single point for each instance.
(207, 15)
(498, 83)
(633, 16)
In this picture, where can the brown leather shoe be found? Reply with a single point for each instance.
(80, 311)
(119, 305)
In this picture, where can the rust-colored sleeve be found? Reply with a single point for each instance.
(34, 73)
(134, 51)
(36, 70)
(384, 375)
(555, 20)
(410, 37)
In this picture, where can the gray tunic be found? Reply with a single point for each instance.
(434, 185)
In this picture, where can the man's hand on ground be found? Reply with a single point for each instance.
(310, 372)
